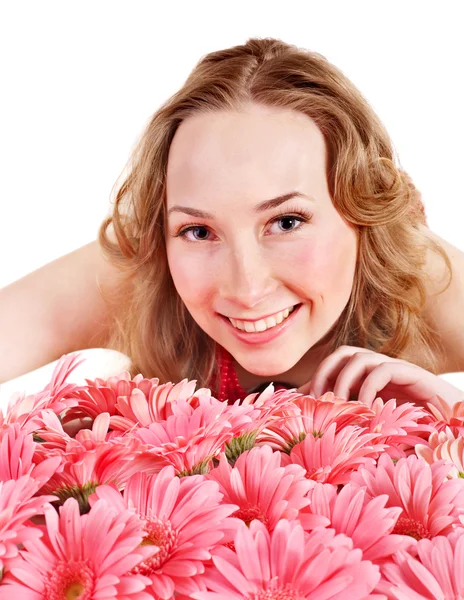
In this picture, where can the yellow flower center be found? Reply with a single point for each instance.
(74, 591)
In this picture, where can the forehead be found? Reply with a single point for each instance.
(256, 151)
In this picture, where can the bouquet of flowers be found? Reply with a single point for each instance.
(131, 489)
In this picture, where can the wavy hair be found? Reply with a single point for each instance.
(367, 185)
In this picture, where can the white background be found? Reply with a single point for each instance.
(80, 80)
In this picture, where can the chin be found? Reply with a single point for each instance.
(267, 368)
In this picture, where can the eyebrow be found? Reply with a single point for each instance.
(259, 208)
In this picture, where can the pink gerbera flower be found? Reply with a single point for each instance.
(271, 403)
(435, 574)
(270, 406)
(363, 519)
(444, 415)
(313, 416)
(430, 503)
(443, 446)
(56, 396)
(142, 409)
(191, 438)
(246, 418)
(260, 411)
(400, 427)
(53, 436)
(332, 457)
(101, 395)
(239, 417)
(262, 488)
(18, 456)
(17, 506)
(89, 557)
(50, 432)
(89, 461)
(131, 402)
(184, 517)
(288, 564)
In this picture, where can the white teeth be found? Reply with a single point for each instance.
(248, 326)
(262, 324)
(269, 322)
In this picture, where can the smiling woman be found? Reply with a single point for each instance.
(242, 157)
(265, 232)
(268, 184)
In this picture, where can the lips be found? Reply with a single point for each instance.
(262, 337)
(290, 308)
(261, 325)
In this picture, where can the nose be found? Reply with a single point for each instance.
(247, 277)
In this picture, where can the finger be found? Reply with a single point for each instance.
(331, 366)
(355, 370)
(392, 373)
(306, 389)
(353, 374)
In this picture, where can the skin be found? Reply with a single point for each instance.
(241, 263)
(370, 375)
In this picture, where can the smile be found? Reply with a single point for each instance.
(262, 324)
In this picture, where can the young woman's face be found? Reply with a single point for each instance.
(231, 256)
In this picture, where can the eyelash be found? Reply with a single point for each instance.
(299, 214)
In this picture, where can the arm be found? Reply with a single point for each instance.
(54, 310)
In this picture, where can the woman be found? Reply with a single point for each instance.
(260, 135)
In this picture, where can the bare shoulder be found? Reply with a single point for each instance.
(444, 310)
(83, 314)
(58, 308)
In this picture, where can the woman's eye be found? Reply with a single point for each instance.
(290, 223)
(201, 238)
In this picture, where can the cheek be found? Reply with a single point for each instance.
(323, 267)
(192, 278)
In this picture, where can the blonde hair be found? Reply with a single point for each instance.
(367, 186)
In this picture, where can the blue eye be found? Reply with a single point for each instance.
(288, 218)
(193, 228)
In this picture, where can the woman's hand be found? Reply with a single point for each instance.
(368, 375)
